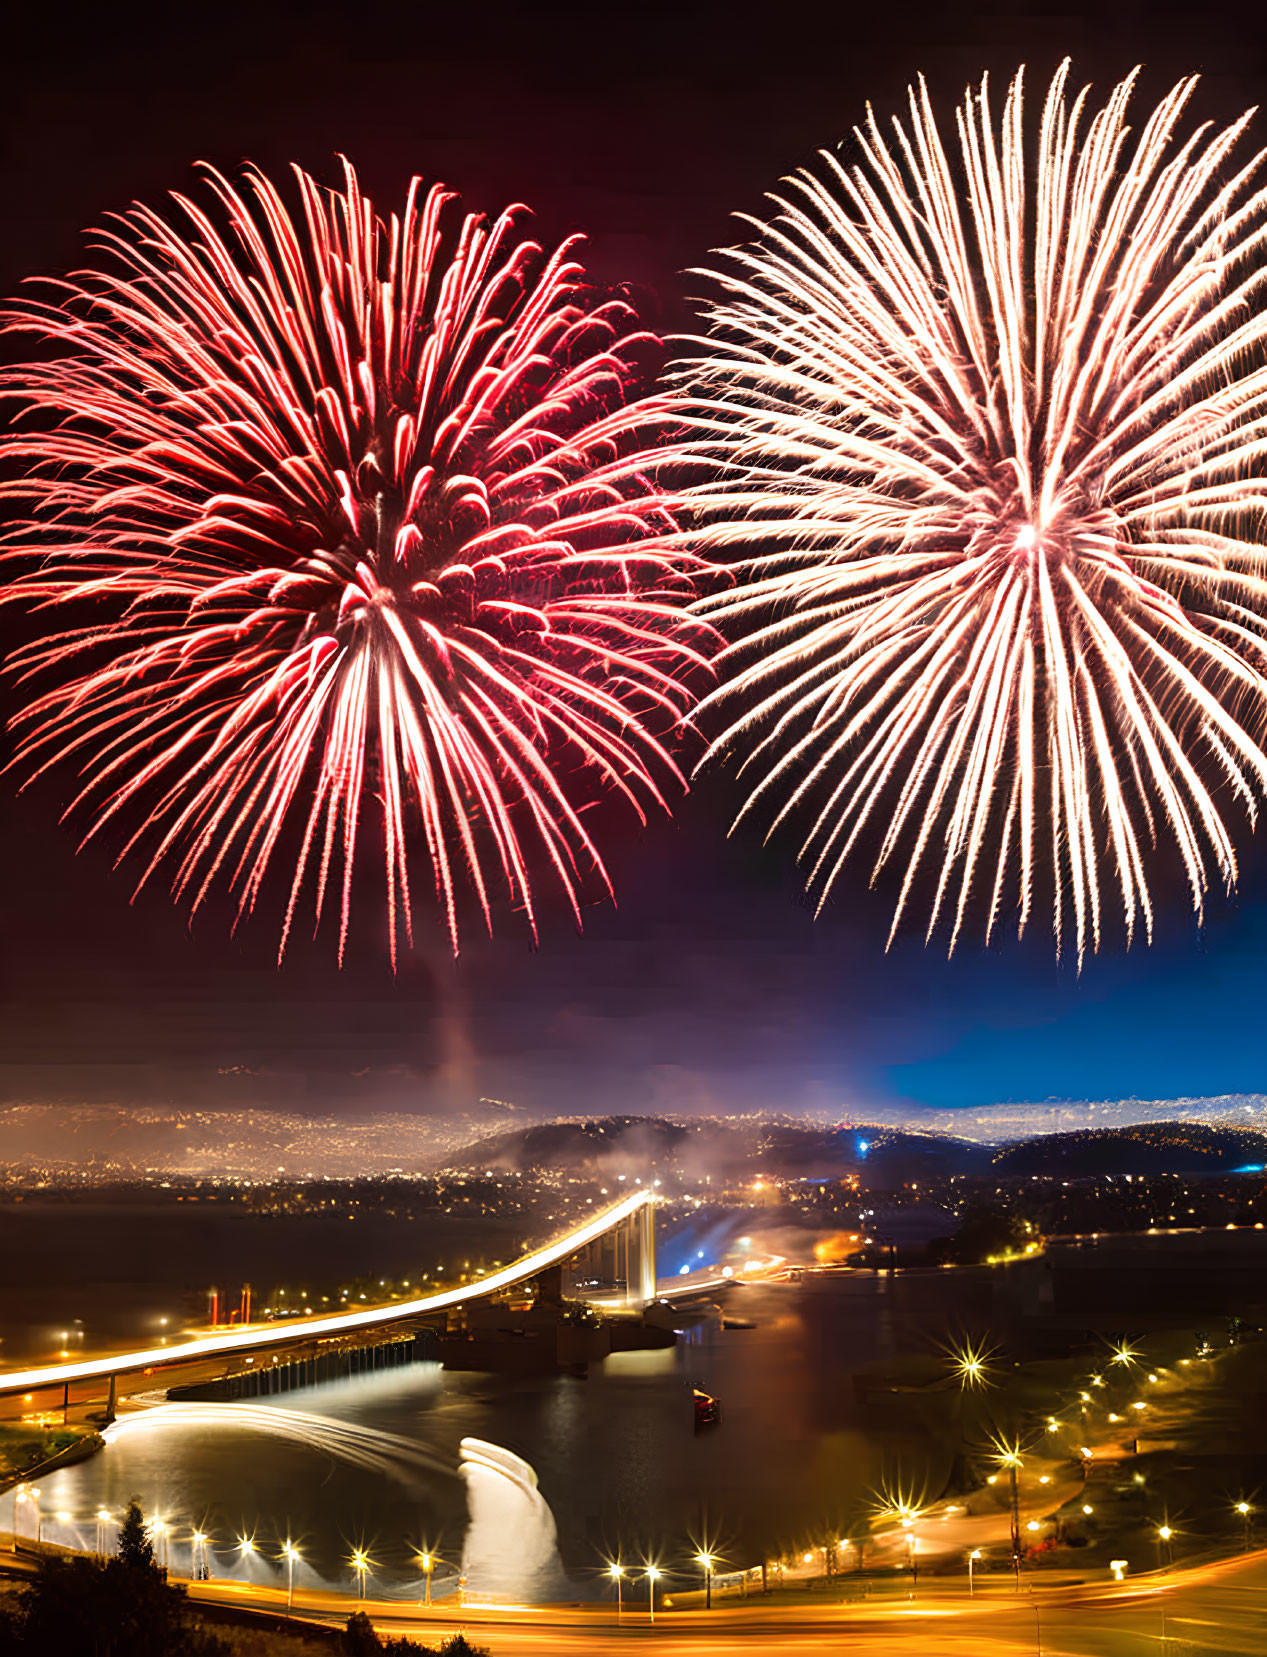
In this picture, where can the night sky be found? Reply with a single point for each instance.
(711, 986)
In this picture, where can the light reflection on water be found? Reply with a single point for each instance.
(617, 1457)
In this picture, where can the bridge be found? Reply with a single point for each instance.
(619, 1241)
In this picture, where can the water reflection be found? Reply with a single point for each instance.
(372, 1462)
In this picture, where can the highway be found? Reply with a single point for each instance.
(1211, 1610)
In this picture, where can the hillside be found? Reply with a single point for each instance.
(723, 1152)
(1147, 1148)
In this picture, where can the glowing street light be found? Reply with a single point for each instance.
(428, 1562)
(1007, 1453)
(653, 1576)
(616, 1572)
(201, 1573)
(1118, 1567)
(1164, 1533)
(103, 1519)
(291, 1553)
(705, 1562)
(1247, 1513)
(360, 1564)
(970, 1365)
(972, 1559)
(246, 1547)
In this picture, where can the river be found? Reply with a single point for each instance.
(617, 1455)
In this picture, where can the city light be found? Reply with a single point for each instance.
(970, 1364)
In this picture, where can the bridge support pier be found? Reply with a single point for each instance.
(645, 1221)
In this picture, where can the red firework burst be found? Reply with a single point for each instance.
(347, 510)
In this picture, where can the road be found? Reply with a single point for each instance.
(1213, 1610)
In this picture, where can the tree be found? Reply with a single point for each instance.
(77, 1607)
(360, 1640)
(136, 1548)
(987, 1231)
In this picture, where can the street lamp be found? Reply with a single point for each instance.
(360, 1564)
(103, 1519)
(1246, 1512)
(292, 1554)
(972, 1559)
(617, 1574)
(908, 1525)
(1009, 1456)
(428, 1563)
(1164, 1533)
(246, 1547)
(202, 1574)
(705, 1561)
(653, 1576)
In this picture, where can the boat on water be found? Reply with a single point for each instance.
(707, 1409)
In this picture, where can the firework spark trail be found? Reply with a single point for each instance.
(347, 511)
(989, 437)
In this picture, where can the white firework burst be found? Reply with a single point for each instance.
(984, 424)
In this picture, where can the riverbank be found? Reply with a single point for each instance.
(30, 1452)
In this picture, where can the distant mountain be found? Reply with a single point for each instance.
(798, 1150)
(606, 1145)
(725, 1152)
(1145, 1148)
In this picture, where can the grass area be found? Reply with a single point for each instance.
(270, 1642)
(23, 1447)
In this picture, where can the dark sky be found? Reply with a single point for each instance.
(710, 986)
